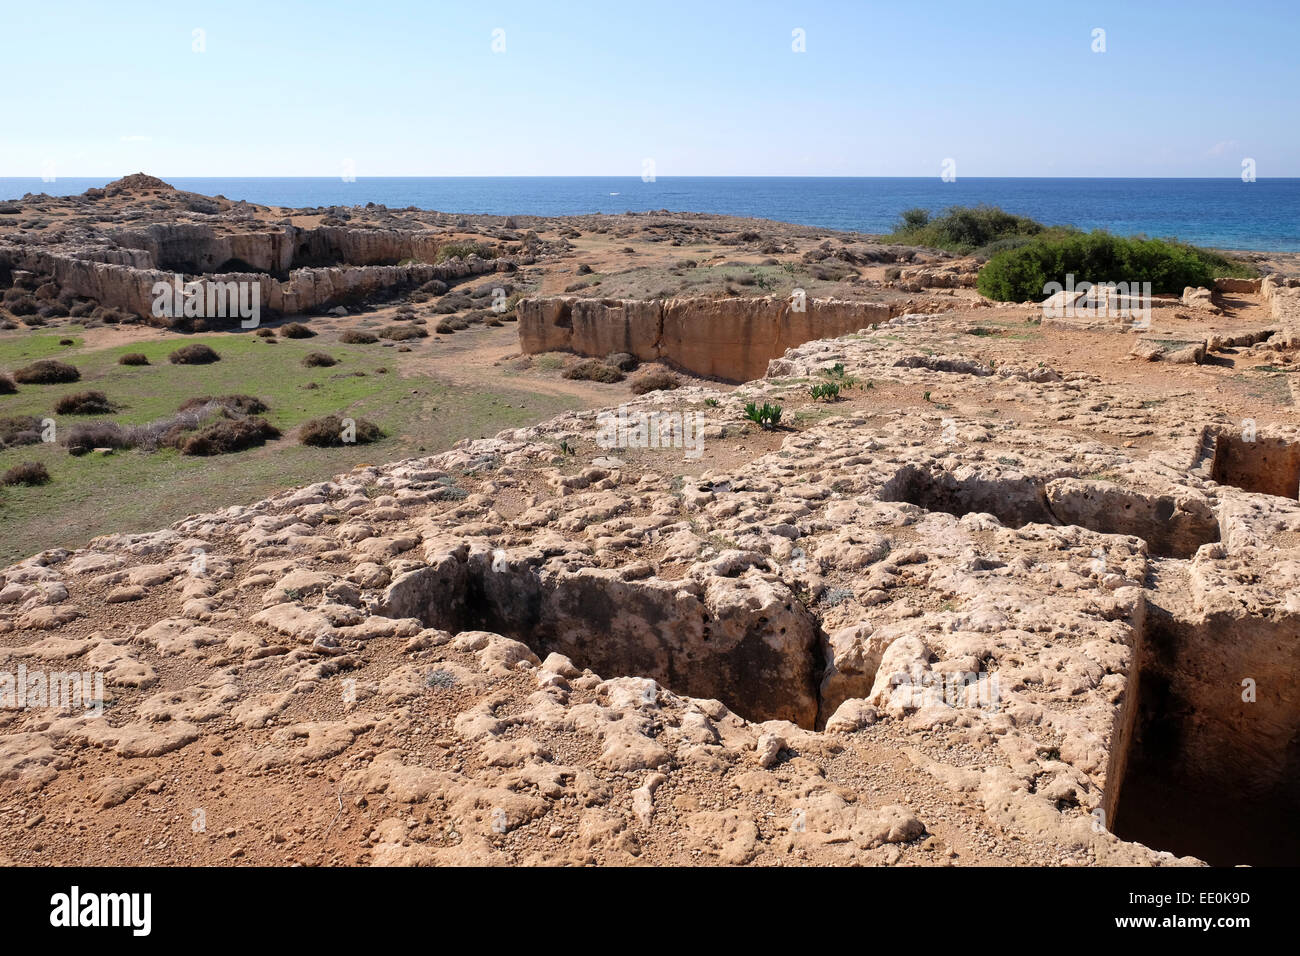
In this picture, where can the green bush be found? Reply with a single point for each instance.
(463, 250)
(1021, 274)
(964, 229)
(913, 218)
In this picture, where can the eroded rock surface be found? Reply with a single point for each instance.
(961, 634)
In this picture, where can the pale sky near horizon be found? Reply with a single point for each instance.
(408, 88)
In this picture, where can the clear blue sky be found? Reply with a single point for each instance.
(1185, 88)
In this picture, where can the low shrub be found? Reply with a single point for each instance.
(27, 473)
(655, 381)
(227, 435)
(623, 361)
(402, 333)
(195, 354)
(86, 436)
(463, 250)
(133, 358)
(296, 330)
(239, 404)
(84, 403)
(319, 360)
(594, 370)
(7, 384)
(19, 430)
(357, 337)
(332, 430)
(47, 372)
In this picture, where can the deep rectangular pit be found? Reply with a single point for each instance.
(1170, 530)
(750, 644)
(1266, 466)
(274, 250)
(1014, 502)
(1202, 771)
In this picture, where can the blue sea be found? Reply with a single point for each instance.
(1224, 213)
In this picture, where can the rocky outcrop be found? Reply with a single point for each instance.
(727, 339)
(201, 248)
(1283, 296)
(1178, 351)
(125, 278)
(1226, 284)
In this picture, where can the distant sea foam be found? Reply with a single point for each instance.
(1225, 213)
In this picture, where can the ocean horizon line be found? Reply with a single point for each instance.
(1221, 212)
(636, 178)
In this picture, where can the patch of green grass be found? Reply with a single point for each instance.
(140, 491)
(813, 413)
(1269, 388)
(549, 361)
(272, 373)
(723, 543)
(19, 350)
